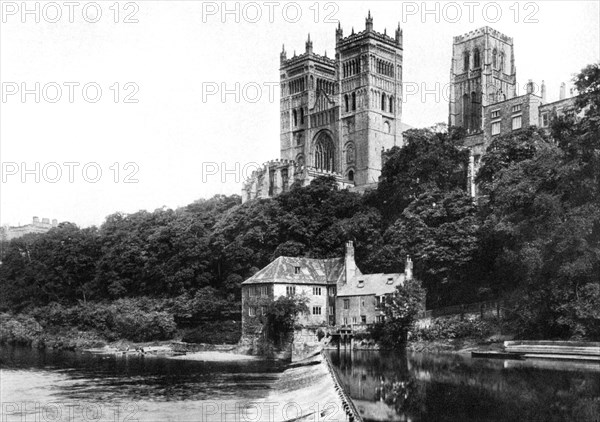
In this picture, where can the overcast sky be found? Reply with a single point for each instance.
(179, 50)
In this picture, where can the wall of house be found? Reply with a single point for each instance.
(359, 306)
(313, 301)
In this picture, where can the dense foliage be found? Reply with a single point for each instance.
(533, 238)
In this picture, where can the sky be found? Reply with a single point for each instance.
(121, 106)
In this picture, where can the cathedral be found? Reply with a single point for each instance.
(338, 114)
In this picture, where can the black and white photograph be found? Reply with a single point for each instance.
(269, 211)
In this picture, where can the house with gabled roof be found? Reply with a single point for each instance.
(339, 294)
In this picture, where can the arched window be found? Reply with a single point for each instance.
(383, 102)
(351, 175)
(466, 61)
(295, 115)
(350, 153)
(476, 59)
(501, 64)
(300, 160)
(495, 59)
(391, 104)
(354, 101)
(302, 116)
(465, 111)
(346, 102)
(324, 153)
(475, 111)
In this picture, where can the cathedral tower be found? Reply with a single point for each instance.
(482, 73)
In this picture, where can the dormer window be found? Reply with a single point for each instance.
(390, 280)
(296, 270)
(361, 283)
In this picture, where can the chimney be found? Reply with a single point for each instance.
(543, 92)
(36, 221)
(349, 263)
(408, 269)
(530, 87)
(369, 22)
(562, 91)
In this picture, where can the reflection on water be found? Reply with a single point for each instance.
(388, 386)
(157, 388)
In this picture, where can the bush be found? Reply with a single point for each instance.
(220, 332)
(19, 329)
(455, 328)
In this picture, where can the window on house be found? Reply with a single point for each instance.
(495, 128)
(476, 59)
(516, 122)
(302, 116)
(383, 102)
(346, 103)
(353, 320)
(495, 114)
(390, 280)
(545, 120)
(516, 108)
(361, 283)
(296, 270)
(362, 302)
(353, 101)
(295, 115)
(380, 318)
(252, 311)
(345, 320)
(290, 290)
(363, 319)
(316, 310)
(466, 61)
(391, 104)
(378, 301)
(331, 310)
(263, 310)
(346, 303)
(332, 291)
(317, 291)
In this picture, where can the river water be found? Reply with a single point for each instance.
(78, 386)
(450, 387)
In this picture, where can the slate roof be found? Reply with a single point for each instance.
(372, 284)
(312, 271)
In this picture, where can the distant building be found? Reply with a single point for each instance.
(483, 94)
(337, 114)
(339, 293)
(37, 226)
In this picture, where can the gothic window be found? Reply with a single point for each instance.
(501, 67)
(351, 175)
(466, 61)
(302, 116)
(391, 104)
(475, 111)
(300, 160)
(383, 102)
(324, 153)
(386, 127)
(465, 111)
(295, 116)
(353, 101)
(495, 59)
(476, 59)
(346, 102)
(350, 153)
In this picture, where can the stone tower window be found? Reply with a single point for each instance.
(391, 104)
(324, 153)
(476, 59)
(295, 117)
(466, 61)
(351, 175)
(346, 103)
(354, 101)
(495, 59)
(383, 102)
(465, 111)
(501, 67)
(302, 116)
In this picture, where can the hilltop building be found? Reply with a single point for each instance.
(37, 226)
(337, 114)
(484, 98)
(339, 294)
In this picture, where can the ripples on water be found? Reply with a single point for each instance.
(449, 387)
(154, 388)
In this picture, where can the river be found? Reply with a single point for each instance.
(451, 387)
(52, 386)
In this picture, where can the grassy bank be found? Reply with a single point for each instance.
(95, 324)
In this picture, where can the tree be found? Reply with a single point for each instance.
(282, 314)
(401, 310)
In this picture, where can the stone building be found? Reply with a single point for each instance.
(36, 226)
(337, 114)
(339, 294)
(484, 96)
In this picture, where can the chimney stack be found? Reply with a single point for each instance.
(543, 93)
(408, 269)
(562, 91)
(530, 87)
(349, 263)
